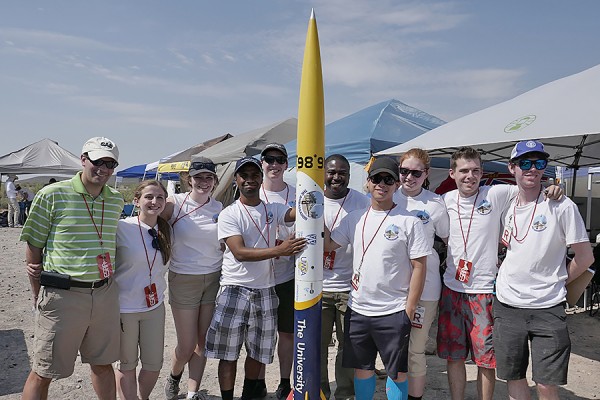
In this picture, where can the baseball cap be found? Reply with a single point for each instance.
(247, 160)
(527, 146)
(274, 146)
(202, 164)
(99, 147)
(384, 164)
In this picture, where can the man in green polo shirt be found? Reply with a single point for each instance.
(70, 235)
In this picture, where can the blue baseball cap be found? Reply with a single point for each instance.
(247, 160)
(528, 146)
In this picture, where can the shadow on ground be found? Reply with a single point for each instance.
(15, 361)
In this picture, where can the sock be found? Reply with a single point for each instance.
(396, 390)
(177, 377)
(414, 397)
(191, 394)
(364, 389)
(260, 383)
(285, 382)
(227, 394)
(248, 390)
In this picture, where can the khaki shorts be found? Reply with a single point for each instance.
(68, 321)
(145, 330)
(191, 291)
(417, 365)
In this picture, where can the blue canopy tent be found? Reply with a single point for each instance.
(139, 171)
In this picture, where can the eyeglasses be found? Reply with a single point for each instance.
(387, 179)
(271, 159)
(154, 234)
(109, 164)
(202, 165)
(414, 172)
(526, 165)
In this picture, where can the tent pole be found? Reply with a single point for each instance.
(588, 208)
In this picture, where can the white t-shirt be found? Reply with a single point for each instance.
(534, 272)
(11, 190)
(431, 210)
(482, 238)
(132, 272)
(257, 226)
(196, 248)
(386, 270)
(338, 278)
(284, 266)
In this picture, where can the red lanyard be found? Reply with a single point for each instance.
(364, 251)
(98, 231)
(338, 213)
(465, 239)
(177, 217)
(530, 221)
(150, 266)
(287, 193)
(268, 238)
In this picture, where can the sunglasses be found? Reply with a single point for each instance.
(271, 159)
(414, 172)
(154, 234)
(109, 164)
(526, 165)
(202, 165)
(387, 179)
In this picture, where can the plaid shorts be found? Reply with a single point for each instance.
(243, 316)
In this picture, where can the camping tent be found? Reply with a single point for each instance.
(42, 157)
(562, 114)
(180, 161)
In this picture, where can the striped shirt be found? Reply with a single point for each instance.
(67, 222)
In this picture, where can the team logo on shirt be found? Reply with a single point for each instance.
(424, 217)
(291, 203)
(484, 208)
(302, 265)
(311, 204)
(539, 223)
(269, 217)
(391, 232)
(215, 218)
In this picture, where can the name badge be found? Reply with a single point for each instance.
(463, 272)
(355, 281)
(151, 295)
(328, 259)
(419, 317)
(104, 265)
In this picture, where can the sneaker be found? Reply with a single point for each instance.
(199, 396)
(282, 392)
(171, 388)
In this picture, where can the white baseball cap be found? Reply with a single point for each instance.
(100, 147)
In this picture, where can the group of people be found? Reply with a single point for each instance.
(99, 282)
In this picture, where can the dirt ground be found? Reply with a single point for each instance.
(16, 335)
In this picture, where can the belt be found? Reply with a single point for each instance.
(90, 285)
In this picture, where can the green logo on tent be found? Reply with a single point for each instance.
(520, 123)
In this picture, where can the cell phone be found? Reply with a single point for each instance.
(55, 280)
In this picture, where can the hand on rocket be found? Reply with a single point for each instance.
(291, 246)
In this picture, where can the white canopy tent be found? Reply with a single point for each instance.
(562, 114)
(42, 157)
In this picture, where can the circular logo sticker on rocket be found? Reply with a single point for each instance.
(311, 204)
(423, 216)
(391, 232)
(539, 223)
(484, 208)
(269, 217)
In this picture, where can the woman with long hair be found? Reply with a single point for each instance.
(194, 273)
(142, 258)
(431, 210)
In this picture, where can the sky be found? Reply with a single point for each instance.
(161, 76)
